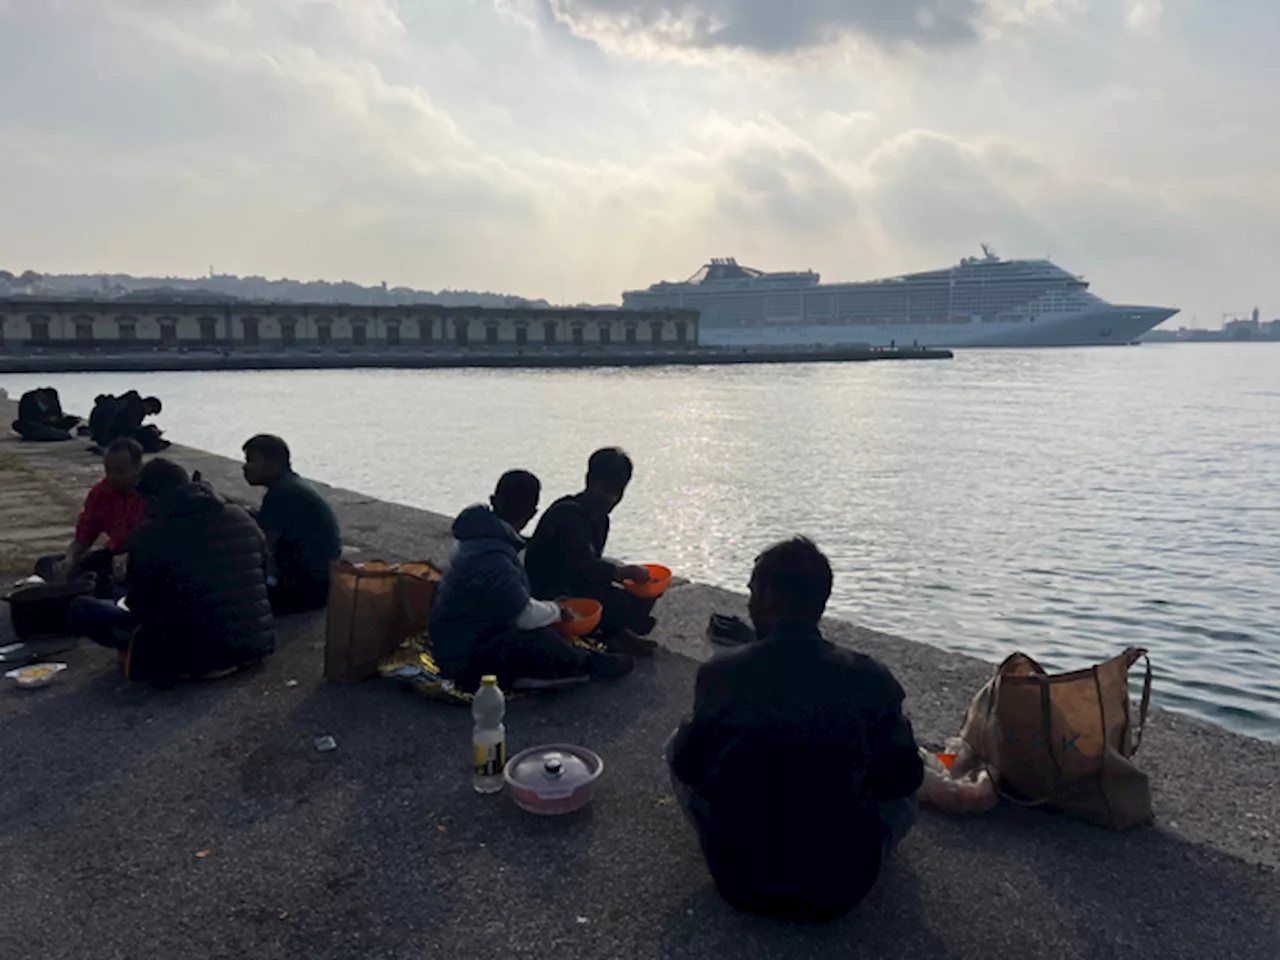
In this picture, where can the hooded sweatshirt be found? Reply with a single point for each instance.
(484, 591)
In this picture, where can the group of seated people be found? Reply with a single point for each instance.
(798, 768)
(41, 418)
(495, 614)
(189, 582)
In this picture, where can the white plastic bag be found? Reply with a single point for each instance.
(975, 792)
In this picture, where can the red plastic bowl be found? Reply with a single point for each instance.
(654, 587)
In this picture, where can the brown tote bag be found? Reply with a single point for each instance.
(373, 608)
(1066, 741)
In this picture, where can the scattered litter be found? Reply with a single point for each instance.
(583, 920)
(284, 915)
(201, 854)
(326, 744)
(291, 683)
(440, 827)
(666, 800)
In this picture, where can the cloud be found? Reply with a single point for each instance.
(1144, 17)
(770, 27)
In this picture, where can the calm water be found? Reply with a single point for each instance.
(1064, 502)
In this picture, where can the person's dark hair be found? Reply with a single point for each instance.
(154, 403)
(125, 445)
(519, 486)
(270, 447)
(159, 477)
(609, 468)
(797, 576)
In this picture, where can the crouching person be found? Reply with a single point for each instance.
(485, 621)
(798, 768)
(197, 601)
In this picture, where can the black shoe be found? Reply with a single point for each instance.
(646, 627)
(609, 666)
(628, 643)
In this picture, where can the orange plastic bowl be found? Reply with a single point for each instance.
(654, 587)
(586, 617)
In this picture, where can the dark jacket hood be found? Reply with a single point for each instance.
(481, 523)
(189, 500)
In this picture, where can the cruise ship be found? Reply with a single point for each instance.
(982, 302)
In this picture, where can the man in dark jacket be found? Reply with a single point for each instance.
(566, 555)
(302, 530)
(798, 768)
(485, 620)
(126, 421)
(197, 598)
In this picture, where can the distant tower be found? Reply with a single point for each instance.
(1257, 315)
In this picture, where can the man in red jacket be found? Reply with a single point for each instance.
(112, 510)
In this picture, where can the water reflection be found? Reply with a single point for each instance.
(1068, 503)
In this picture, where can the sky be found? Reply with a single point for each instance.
(573, 149)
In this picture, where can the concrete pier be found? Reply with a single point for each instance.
(200, 822)
(68, 361)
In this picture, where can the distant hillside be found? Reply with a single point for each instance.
(114, 286)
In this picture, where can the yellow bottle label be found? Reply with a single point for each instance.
(489, 758)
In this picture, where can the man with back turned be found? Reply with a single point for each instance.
(798, 768)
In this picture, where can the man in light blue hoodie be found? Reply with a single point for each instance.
(485, 621)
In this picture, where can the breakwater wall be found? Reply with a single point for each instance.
(162, 361)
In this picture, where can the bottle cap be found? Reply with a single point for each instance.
(488, 680)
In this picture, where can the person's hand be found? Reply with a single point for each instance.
(60, 570)
(566, 615)
(634, 573)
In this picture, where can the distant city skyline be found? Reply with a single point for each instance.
(568, 150)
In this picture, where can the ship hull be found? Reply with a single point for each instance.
(1109, 325)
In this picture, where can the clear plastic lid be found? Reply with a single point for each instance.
(553, 768)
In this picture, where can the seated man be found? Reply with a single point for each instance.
(40, 416)
(566, 555)
(113, 509)
(197, 604)
(302, 529)
(798, 769)
(485, 620)
(126, 421)
(104, 411)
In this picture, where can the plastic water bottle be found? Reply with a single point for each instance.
(488, 736)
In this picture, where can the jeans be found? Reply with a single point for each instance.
(102, 621)
(523, 655)
(292, 598)
(622, 611)
(96, 562)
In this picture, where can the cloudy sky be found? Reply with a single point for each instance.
(570, 149)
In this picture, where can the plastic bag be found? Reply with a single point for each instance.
(974, 792)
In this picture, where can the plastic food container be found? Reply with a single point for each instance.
(554, 779)
(586, 617)
(36, 675)
(654, 587)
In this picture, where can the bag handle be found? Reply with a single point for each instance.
(1145, 706)
(1046, 721)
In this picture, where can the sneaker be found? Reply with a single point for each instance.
(609, 666)
(628, 642)
(531, 685)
